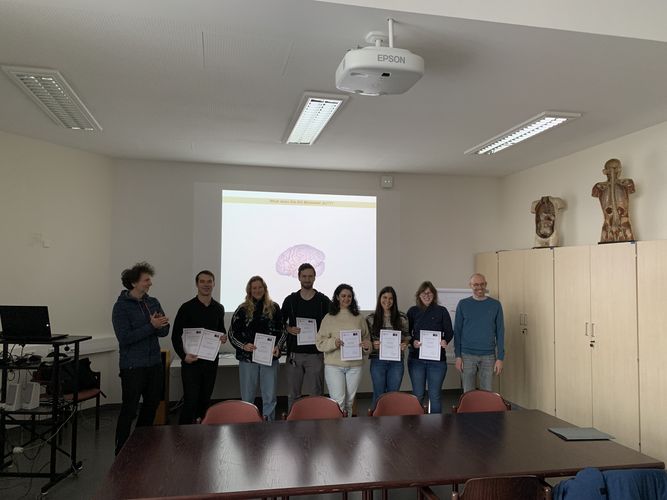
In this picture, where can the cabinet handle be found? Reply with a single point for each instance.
(593, 330)
(586, 329)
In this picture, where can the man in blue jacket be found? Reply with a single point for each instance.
(479, 337)
(138, 320)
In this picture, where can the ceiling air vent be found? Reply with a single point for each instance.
(53, 94)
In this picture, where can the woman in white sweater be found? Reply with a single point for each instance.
(342, 376)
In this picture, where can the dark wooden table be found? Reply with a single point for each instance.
(307, 457)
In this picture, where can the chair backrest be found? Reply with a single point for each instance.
(232, 412)
(397, 403)
(481, 401)
(314, 408)
(505, 488)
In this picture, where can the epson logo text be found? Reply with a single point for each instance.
(391, 59)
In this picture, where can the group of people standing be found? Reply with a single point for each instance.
(139, 320)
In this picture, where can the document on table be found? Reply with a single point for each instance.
(351, 348)
(263, 355)
(308, 331)
(430, 348)
(390, 345)
(580, 434)
(203, 343)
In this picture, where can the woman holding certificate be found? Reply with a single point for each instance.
(390, 336)
(430, 332)
(257, 334)
(344, 339)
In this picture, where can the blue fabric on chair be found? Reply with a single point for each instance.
(635, 484)
(588, 484)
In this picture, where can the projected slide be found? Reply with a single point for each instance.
(272, 234)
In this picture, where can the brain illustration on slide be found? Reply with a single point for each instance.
(288, 261)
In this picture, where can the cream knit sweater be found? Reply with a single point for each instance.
(330, 331)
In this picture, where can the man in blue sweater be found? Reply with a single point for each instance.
(138, 320)
(479, 335)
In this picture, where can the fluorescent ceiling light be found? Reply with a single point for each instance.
(530, 128)
(49, 90)
(312, 115)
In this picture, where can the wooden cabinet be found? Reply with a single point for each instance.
(596, 369)
(572, 320)
(586, 334)
(525, 289)
(652, 333)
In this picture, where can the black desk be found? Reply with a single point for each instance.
(57, 412)
(318, 456)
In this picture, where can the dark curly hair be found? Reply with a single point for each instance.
(334, 308)
(130, 276)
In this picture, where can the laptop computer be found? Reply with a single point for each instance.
(26, 323)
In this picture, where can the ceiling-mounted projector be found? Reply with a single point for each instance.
(379, 70)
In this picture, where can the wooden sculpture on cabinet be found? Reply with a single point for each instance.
(546, 211)
(614, 195)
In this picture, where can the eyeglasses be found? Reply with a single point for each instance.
(426, 293)
(477, 285)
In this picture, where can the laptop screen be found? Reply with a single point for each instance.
(25, 322)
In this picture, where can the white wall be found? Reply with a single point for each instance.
(643, 155)
(100, 216)
(429, 227)
(59, 197)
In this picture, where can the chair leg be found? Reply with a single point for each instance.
(385, 494)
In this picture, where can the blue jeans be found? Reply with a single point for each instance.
(482, 364)
(386, 376)
(423, 372)
(267, 376)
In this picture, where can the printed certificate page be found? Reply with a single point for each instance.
(390, 345)
(351, 348)
(263, 355)
(192, 339)
(430, 348)
(308, 331)
(210, 344)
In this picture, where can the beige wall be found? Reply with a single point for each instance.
(57, 197)
(643, 155)
(100, 216)
(429, 227)
(97, 216)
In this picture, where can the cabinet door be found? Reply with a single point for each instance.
(652, 322)
(510, 292)
(539, 330)
(614, 319)
(572, 316)
(487, 264)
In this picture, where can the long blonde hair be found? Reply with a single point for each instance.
(248, 303)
